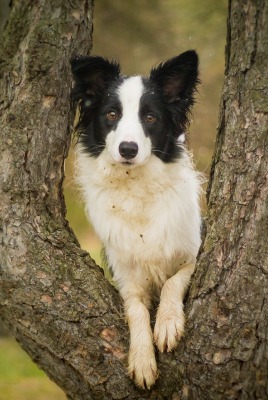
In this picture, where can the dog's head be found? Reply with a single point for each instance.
(134, 117)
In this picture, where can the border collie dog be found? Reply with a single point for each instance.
(141, 191)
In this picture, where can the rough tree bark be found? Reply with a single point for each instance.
(55, 300)
(225, 353)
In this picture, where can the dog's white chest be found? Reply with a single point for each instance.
(147, 214)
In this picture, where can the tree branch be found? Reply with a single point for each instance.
(224, 350)
(53, 297)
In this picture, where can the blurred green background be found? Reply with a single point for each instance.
(140, 34)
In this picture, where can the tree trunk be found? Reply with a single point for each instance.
(225, 353)
(59, 306)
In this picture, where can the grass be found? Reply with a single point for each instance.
(20, 378)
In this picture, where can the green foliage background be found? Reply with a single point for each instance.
(140, 34)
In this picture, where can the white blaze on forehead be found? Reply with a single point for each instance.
(130, 93)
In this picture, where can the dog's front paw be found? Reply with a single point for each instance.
(142, 367)
(169, 326)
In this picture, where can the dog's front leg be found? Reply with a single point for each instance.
(169, 326)
(141, 363)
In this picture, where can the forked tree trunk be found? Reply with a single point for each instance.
(55, 300)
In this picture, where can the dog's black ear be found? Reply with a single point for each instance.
(92, 74)
(177, 77)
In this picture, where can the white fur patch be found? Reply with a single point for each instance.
(147, 216)
(129, 128)
(181, 138)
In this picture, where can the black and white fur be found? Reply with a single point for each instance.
(141, 191)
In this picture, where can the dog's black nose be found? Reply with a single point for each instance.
(128, 150)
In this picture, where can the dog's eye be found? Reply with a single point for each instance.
(112, 115)
(150, 118)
